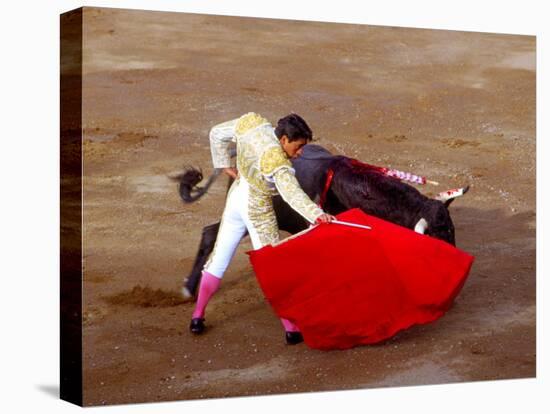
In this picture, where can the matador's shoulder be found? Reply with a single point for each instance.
(249, 121)
(272, 159)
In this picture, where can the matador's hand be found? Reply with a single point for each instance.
(324, 218)
(232, 172)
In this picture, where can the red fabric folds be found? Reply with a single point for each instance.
(345, 286)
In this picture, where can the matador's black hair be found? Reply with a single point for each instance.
(294, 127)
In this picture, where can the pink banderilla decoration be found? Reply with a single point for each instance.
(391, 172)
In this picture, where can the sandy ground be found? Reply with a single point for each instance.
(456, 107)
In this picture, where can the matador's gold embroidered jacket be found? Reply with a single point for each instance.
(261, 161)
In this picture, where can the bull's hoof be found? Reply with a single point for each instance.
(293, 338)
(197, 326)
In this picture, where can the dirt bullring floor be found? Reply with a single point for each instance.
(456, 107)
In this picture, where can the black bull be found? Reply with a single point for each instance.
(376, 194)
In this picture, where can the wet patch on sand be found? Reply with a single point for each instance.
(275, 369)
(504, 317)
(152, 184)
(521, 60)
(421, 373)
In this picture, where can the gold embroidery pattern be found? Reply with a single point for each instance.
(292, 193)
(262, 216)
(250, 150)
(273, 159)
(249, 121)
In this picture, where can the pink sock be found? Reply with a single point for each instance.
(209, 286)
(289, 326)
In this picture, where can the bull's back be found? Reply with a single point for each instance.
(376, 193)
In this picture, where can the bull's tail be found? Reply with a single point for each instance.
(188, 180)
(190, 177)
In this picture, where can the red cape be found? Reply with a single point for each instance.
(345, 286)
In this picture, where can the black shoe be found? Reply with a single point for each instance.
(197, 326)
(293, 338)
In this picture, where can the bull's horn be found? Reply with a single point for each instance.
(451, 194)
(421, 226)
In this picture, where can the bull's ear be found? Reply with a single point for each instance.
(421, 226)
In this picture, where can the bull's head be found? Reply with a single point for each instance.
(435, 221)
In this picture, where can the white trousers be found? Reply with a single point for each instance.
(244, 211)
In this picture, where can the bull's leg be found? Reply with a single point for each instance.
(208, 239)
(287, 219)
